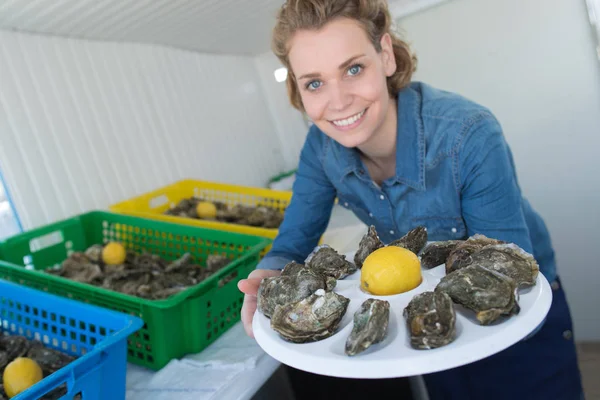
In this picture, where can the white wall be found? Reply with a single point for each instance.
(535, 66)
(291, 127)
(87, 124)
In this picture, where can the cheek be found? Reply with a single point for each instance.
(314, 106)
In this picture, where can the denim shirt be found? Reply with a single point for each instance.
(454, 175)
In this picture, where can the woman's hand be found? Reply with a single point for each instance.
(249, 287)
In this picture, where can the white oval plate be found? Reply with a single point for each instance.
(394, 357)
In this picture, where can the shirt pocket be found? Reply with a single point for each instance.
(442, 228)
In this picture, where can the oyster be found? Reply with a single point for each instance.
(286, 289)
(368, 244)
(488, 293)
(461, 255)
(370, 326)
(510, 260)
(414, 240)
(436, 253)
(314, 318)
(78, 268)
(295, 269)
(49, 359)
(327, 261)
(12, 347)
(431, 320)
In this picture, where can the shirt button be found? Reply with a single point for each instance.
(382, 197)
(554, 285)
(453, 230)
(371, 215)
(345, 204)
(568, 335)
(392, 232)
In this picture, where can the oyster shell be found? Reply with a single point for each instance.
(436, 253)
(414, 240)
(294, 268)
(461, 255)
(286, 289)
(370, 326)
(327, 261)
(431, 320)
(312, 319)
(368, 244)
(50, 360)
(12, 347)
(510, 260)
(488, 293)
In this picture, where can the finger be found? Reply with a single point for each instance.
(248, 310)
(249, 286)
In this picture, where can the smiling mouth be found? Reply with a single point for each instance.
(341, 123)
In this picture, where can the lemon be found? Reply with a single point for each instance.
(206, 210)
(20, 374)
(113, 253)
(390, 270)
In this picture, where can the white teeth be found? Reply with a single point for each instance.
(349, 121)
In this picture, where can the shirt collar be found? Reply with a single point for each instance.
(410, 147)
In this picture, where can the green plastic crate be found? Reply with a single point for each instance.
(182, 324)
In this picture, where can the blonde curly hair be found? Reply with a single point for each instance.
(373, 15)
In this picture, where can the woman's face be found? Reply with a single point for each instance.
(342, 80)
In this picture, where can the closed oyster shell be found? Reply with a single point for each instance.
(368, 244)
(461, 255)
(431, 320)
(436, 253)
(294, 268)
(282, 290)
(488, 293)
(510, 260)
(327, 261)
(370, 326)
(414, 240)
(312, 319)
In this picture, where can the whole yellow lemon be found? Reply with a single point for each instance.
(206, 210)
(113, 253)
(390, 270)
(20, 374)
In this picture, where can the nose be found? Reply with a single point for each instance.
(339, 97)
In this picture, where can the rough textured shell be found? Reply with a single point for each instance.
(370, 326)
(461, 255)
(327, 261)
(282, 290)
(414, 240)
(431, 320)
(368, 244)
(436, 253)
(510, 260)
(488, 293)
(315, 318)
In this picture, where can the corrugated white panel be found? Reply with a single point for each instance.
(216, 26)
(86, 124)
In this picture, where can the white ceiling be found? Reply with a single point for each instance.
(214, 26)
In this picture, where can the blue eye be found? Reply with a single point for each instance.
(355, 69)
(313, 85)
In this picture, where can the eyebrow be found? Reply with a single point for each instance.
(342, 66)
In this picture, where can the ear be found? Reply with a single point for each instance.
(387, 55)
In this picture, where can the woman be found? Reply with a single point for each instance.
(401, 154)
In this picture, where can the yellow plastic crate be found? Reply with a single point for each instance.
(152, 205)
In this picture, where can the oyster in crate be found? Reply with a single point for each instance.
(488, 293)
(327, 261)
(461, 255)
(286, 289)
(368, 244)
(414, 240)
(312, 319)
(50, 360)
(431, 320)
(295, 269)
(370, 326)
(510, 260)
(436, 253)
(12, 347)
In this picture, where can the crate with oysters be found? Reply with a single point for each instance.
(483, 276)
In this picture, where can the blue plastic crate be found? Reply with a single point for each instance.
(97, 336)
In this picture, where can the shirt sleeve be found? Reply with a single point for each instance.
(491, 199)
(308, 213)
